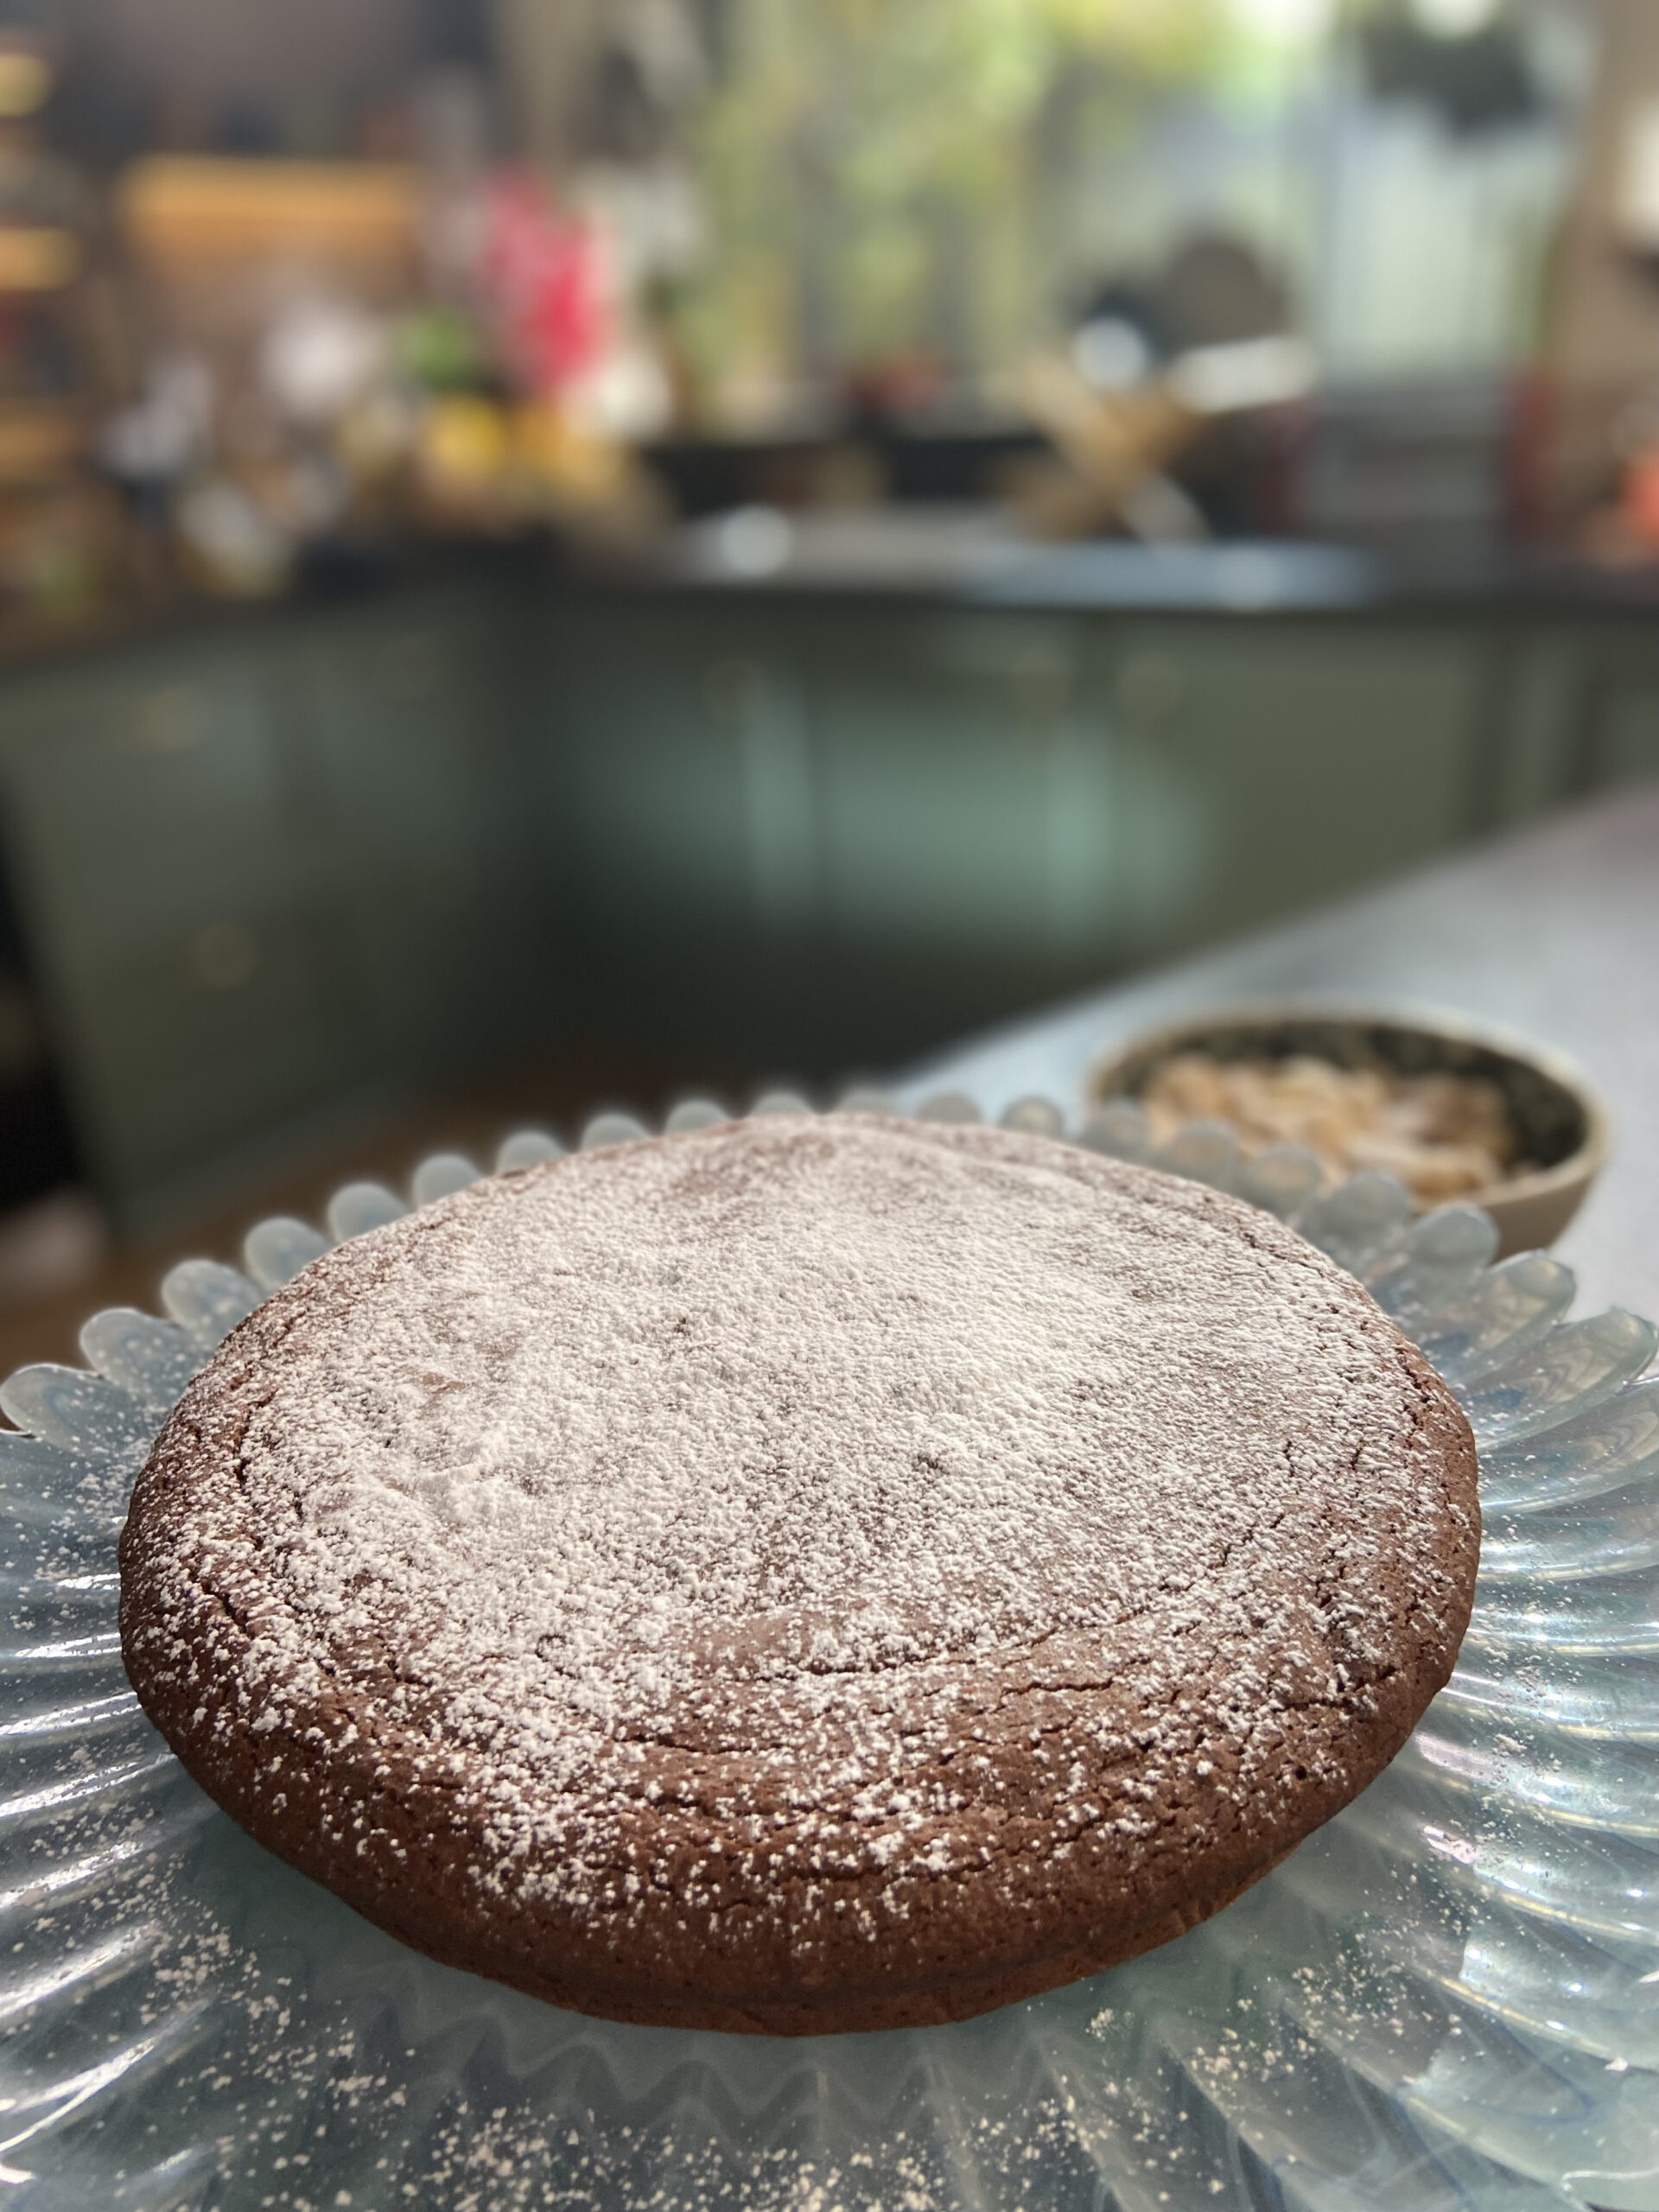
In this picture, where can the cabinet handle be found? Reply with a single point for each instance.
(224, 955)
(172, 718)
(1148, 689)
(411, 670)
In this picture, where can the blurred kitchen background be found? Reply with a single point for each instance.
(553, 551)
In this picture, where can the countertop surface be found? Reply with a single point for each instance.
(944, 556)
(969, 554)
(1554, 933)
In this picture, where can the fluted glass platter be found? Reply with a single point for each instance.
(1448, 1997)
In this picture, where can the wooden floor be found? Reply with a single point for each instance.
(558, 1093)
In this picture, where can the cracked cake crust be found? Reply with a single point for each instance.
(808, 1575)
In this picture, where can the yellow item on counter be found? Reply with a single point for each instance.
(37, 257)
(463, 443)
(571, 461)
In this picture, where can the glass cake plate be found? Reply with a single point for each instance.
(1449, 1996)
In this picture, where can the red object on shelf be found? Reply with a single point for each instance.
(1532, 429)
(545, 271)
(1641, 495)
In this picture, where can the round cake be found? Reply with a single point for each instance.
(816, 1574)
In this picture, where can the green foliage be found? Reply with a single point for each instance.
(850, 139)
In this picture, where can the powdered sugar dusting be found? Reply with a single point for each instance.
(801, 1518)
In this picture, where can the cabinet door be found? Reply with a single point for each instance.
(1616, 739)
(1275, 766)
(963, 802)
(416, 728)
(658, 724)
(191, 1053)
(177, 901)
(145, 793)
(680, 765)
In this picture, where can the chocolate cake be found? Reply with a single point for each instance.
(810, 1574)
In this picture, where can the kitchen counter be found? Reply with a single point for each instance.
(964, 553)
(1555, 932)
(949, 554)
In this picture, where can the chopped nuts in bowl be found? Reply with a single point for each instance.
(1455, 1113)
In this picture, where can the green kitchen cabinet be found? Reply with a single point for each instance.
(279, 872)
(183, 924)
(1099, 795)
(864, 825)
(272, 876)
(417, 730)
